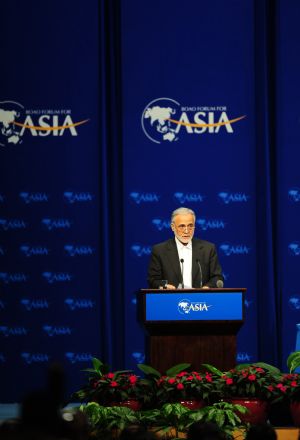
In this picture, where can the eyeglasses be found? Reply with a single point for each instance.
(182, 228)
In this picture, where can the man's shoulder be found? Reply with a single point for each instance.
(197, 242)
(164, 245)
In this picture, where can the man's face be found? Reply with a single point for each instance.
(183, 227)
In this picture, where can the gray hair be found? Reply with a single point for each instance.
(182, 211)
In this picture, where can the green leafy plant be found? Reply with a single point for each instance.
(293, 361)
(169, 420)
(224, 415)
(173, 416)
(105, 386)
(106, 421)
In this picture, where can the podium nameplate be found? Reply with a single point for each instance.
(189, 306)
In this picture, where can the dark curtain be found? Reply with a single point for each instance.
(268, 300)
(111, 193)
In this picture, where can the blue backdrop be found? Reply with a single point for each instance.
(112, 115)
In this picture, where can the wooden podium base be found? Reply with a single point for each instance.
(168, 350)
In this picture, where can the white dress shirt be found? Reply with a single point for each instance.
(185, 253)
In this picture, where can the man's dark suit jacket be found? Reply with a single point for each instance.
(164, 264)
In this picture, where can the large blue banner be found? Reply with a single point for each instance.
(189, 141)
(288, 139)
(49, 223)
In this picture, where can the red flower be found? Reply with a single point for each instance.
(172, 380)
(114, 384)
(190, 378)
(180, 386)
(208, 378)
(270, 388)
(132, 379)
(260, 370)
(110, 375)
(294, 383)
(229, 381)
(252, 377)
(281, 387)
(183, 373)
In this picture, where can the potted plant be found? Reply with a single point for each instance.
(225, 415)
(174, 419)
(249, 385)
(106, 423)
(192, 389)
(111, 388)
(287, 392)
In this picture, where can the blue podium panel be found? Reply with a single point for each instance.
(189, 306)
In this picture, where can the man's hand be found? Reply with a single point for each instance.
(168, 287)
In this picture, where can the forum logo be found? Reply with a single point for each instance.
(228, 197)
(188, 197)
(33, 197)
(12, 224)
(185, 307)
(294, 249)
(56, 223)
(79, 304)
(164, 120)
(140, 250)
(57, 277)
(31, 251)
(206, 224)
(51, 330)
(294, 195)
(77, 197)
(35, 358)
(12, 331)
(15, 120)
(13, 278)
(34, 304)
(144, 197)
(74, 358)
(75, 251)
(294, 302)
(229, 249)
(161, 224)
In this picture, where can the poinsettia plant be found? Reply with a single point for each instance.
(105, 386)
(184, 386)
(247, 380)
(287, 387)
(179, 384)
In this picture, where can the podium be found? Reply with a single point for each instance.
(196, 326)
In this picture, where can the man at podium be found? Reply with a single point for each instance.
(184, 261)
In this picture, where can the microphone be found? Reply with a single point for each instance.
(182, 283)
(219, 284)
(200, 268)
